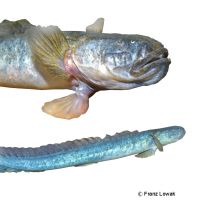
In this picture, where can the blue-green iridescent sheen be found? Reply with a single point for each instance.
(85, 151)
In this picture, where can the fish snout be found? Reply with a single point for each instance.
(170, 135)
(178, 132)
(152, 68)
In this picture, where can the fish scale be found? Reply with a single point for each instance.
(35, 57)
(16, 66)
(87, 150)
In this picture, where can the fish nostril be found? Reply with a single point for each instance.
(162, 53)
(165, 54)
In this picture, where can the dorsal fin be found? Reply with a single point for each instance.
(96, 27)
(120, 134)
(126, 132)
(47, 149)
(49, 45)
(14, 27)
(56, 148)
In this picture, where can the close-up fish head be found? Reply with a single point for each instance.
(118, 61)
(35, 57)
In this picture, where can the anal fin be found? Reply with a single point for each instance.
(68, 107)
(146, 154)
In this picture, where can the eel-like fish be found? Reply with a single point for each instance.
(88, 150)
(37, 57)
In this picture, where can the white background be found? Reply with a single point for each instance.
(173, 101)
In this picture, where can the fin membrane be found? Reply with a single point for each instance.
(14, 27)
(50, 149)
(48, 46)
(68, 107)
(85, 165)
(157, 143)
(146, 154)
(96, 27)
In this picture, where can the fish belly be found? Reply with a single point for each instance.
(16, 66)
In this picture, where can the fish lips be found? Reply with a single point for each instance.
(152, 68)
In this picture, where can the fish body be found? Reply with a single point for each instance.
(86, 62)
(17, 68)
(88, 150)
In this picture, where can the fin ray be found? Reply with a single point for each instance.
(157, 143)
(146, 154)
(45, 150)
(68, 107)
(49, 45)
(84, 165)
(14, 27)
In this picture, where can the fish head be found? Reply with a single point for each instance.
(170, 134)
(118, 61)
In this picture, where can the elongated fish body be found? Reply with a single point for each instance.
(88, 150)
(86, 62)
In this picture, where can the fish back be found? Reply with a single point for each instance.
(8, 28)
(19, 65)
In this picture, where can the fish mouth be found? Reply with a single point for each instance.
(152, 68)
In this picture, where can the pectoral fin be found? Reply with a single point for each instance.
(96, 27)
(48, 47)
(68, 107)
(157, 143)
(146, 154)
(84, 165)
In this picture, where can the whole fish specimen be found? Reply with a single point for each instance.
(88, 150)
(86, 62)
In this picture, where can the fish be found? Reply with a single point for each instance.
(88, 150)
(35, 57)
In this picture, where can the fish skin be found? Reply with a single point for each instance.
(18, 69)
(34, 57)
(86, 151)
(102, 65)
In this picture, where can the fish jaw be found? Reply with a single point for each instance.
(114, 61)
(152, 68)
